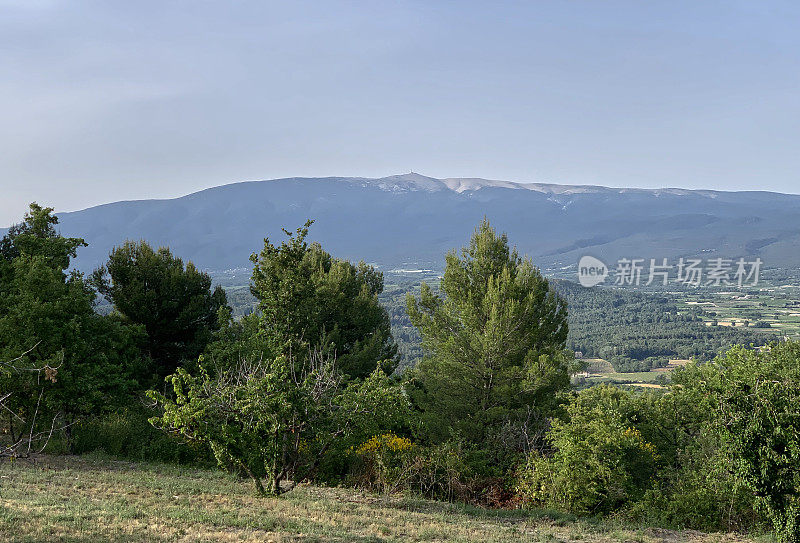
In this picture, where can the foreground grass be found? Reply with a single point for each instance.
(94, 499)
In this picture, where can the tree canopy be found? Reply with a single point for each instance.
(308, 298)
(493, 342)
(47, 315)
(174, 302)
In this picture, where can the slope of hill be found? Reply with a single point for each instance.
(89, 499)
(413, 218)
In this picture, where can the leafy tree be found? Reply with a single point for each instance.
(48, 314)
(278, 418)
(758, 404)
(174, 302)
(281, 391)
(310, 300)
(602, 460)
(493, 344)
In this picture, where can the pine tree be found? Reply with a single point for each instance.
(494, 342)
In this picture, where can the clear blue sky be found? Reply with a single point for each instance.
(102, 101)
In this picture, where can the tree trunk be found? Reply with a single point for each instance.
(68, 435)
(256, 480)
(11, 428)
(276, 486)
(259, 486)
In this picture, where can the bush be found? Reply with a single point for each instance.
(700, 493)
(128, 434)
(439, 472)
(388, 463)
(758, 412)
(600, 462)
(382, 462)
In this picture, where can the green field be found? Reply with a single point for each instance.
(98, 499)
(639, 377)
(778, 306)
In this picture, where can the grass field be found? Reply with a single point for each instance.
(637, 377)
(75, 499)
(601, 371)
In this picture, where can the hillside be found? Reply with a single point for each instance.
(79, 499)
(416, 219)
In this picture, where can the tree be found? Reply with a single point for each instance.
(493, 342)
(278, 418)
(30, 436)
(281, 390)
(48, 314)
(175, 303)
(37, 236)
(310, 300)
(758, 404)
(601, 458)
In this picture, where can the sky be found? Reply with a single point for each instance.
(105, 101)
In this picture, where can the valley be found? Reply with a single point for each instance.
(624, 336)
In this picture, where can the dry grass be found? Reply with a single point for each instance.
(94, 499)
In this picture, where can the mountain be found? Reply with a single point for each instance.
(414, 219)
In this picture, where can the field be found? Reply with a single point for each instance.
(81, 499)
(638, 378)
(600, 371)
(776, 306)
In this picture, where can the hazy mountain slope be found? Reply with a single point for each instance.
(412, 218)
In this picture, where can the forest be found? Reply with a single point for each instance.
(632, 330)
(635, 331)
(457, 391)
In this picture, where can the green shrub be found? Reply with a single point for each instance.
(446, 472)
(382, 462)
(700, 493)
(128, 434)
(600, 462)
(757, 398)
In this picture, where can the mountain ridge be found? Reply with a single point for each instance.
(461, 184)
(415, 218)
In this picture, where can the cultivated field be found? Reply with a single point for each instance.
(601, 371)
(778, 306)
(97, 499)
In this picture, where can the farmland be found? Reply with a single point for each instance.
(599, 371)
(774, 311)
